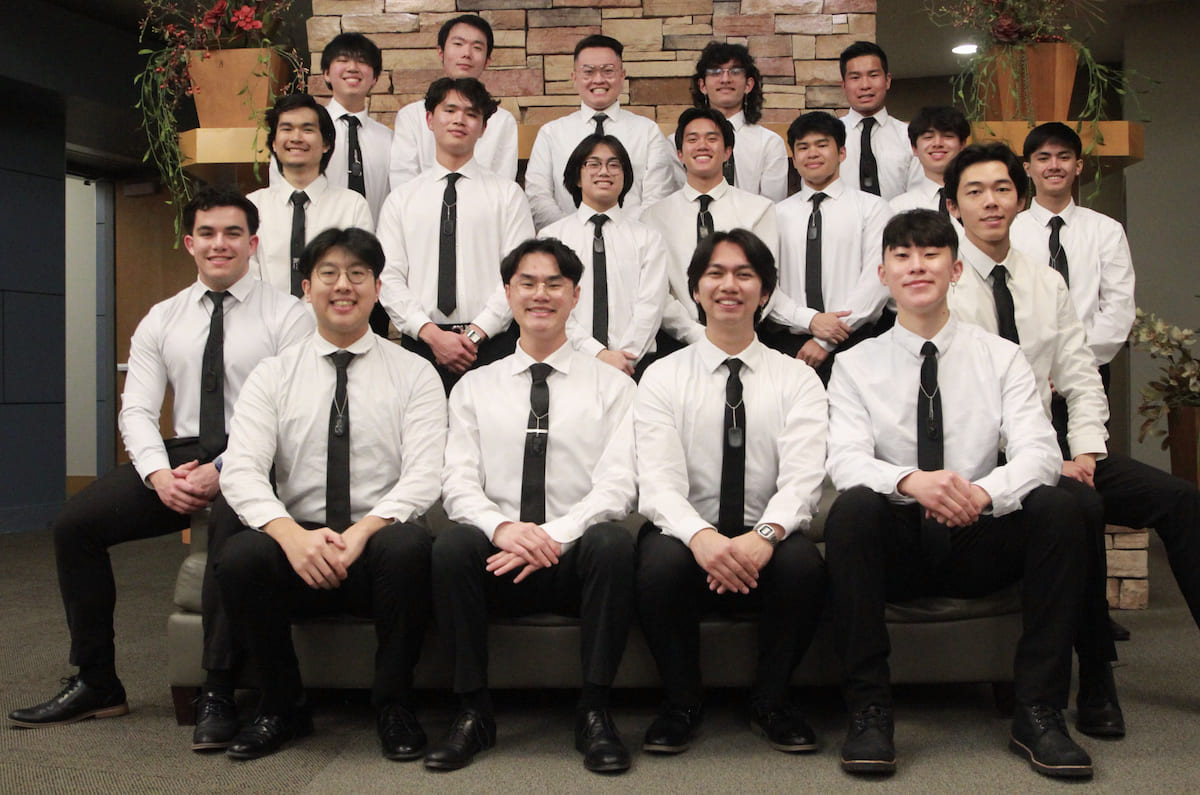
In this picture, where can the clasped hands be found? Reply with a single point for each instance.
(321, 557)
(946, 496)
(525, 546)
(732, 564)
(187, 488)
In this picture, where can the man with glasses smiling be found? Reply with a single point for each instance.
(625, 285)
(599, 76)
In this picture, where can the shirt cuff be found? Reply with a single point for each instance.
(1093, 443)
(414, 325)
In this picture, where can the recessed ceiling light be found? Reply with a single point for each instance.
(965, 49)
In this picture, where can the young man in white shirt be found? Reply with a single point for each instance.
(937, 134)
(599, 76)
(445, 233)
(727, 79)
(704, 142)
(304, 203)
(917, 419)
(464, 47)
(617, 318)
(335, 448)
(536, 530)
(879, 159)
(730, 456)
(181, 343)
(1031, 304)
(829, 297)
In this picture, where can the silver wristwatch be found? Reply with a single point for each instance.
(768, 532)
(474, 336)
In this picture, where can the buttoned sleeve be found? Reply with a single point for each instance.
(650, 299)
(463, 476)
(402, 304)
(540, 179)
(504, 160)
(851, 459)
(1108, 328)
(141, 400)
(1074, 375)
(662, 177)
(405, 161)
(774, 181)
(247, 460)
(801, 453)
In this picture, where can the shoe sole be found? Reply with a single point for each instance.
(658, 748)
(1054, 771)
(303, 731)
(410, 756)
(1104, 732)
(802, 748)
(876, 767)
(211, 746)
(619, 767)
(433, 765)
(105, 712)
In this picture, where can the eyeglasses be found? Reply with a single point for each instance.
(732, 71)
(608, 72)
(554, 286)
(355, 274)
(595, 165)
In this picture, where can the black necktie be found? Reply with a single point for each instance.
(337, 472)
(730, 170)
(533, 470)
(212, 381)
(1058, 255)
(731, 518)
(600, 118)
(354, 160)
(599, 283)
(447, 248)
(935, 537)
(299, 199)
(868, 168)
(1006, 314)
(704, 219)
(942, 202)
(812, 256)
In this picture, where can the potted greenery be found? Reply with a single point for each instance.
(1174, 394)
(1027, 51)
(240, 41)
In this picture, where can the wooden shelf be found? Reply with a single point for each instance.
(1123, 141)
(226, 155)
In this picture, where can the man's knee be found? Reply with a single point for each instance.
(460, 546)
(244, 557)
(401, 541)
(607, 543)
(664, 563)
(855, 519)
(1056, 515)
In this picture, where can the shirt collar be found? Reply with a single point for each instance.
(928, 187)
(471, 170)
(314, 191)
(912, 343)
(713, 357)
(240, 289)
(738, 120)
(585, 213)
(362, 345)
(983, 264)
(691, 194)
(613, 111)
(833, 190)
(559, 361)
(1043, 216)
(336, 111)
(854, 119)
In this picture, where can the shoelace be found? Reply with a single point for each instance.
(1045, 718)
(872, 716)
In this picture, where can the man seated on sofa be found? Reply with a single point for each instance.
(350, 429)
(535, 531)
(730, 455)
(918, 417)
(180, 343)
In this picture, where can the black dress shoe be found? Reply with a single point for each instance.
(266, 734)
(1099, 712)
(783, 726)
(1039, 734)
(471, 732)
(1119, 631)
(216, 722)
(77, 701)
(400, 735)
(596, 737)
(869, 747)
(672, 731)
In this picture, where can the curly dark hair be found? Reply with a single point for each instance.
(718, 53)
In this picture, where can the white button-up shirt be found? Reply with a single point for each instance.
(328, 207)
(492, 219)
(654, 171)
(899, 169)
(989, 403)
(1051, 338)
(589, 454)
(1100, 267)
(852, 225)
(397, 413)
(760, 159)
(413, 149)
(168, 349)
(679, 421)
(636, 265)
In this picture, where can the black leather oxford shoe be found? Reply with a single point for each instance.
(672, 731)
(75, 702)
(216, 722)
(266, 734)
(1039, 734)
(471, 732)
(400, 735)
(597, 739)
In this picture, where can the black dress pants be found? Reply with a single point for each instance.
(388, 583)
(117, 507)
(593, 580)
(873, 550)
(673, 596)
(221, 653)
(1094, 641)
(784, 341)
(490, 350)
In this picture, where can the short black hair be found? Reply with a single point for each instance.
(985, 153)
(596, 40)
(359, 242)
(816, 121)
(713, 115)
(757, 254)
(939, 118)
(290, 102)
(355, 46)
(1052, 132)
(920, 228)
(574, 168)
(719, 53)
(475, 21)
(209, 197)
(569, 264)
(857, 50)
(471, 90)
